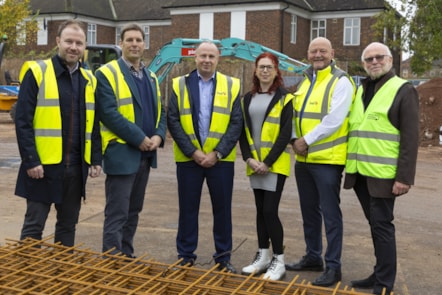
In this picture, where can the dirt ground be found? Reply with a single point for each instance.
(430, 98)
(417, 219)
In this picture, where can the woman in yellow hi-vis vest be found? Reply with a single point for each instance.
(57, 135)
(205, 121)
(268, 113)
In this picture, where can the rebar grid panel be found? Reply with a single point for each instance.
(37, 267)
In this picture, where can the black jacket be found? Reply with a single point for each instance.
(404, 115)
(285, 132)
(49, 189)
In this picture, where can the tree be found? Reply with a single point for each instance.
(17, 22)
(425, 34)
(420, 28)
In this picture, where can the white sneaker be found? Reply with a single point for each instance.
(259, 264)
(276, 270)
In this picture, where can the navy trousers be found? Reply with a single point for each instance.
(219, 179)
(319, 187)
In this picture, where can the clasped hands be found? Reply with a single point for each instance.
(150, 144)
(257, 166)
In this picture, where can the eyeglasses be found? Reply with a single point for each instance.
(268, 68)
(379, 58)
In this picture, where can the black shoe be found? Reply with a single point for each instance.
(306, 263)
(328, 278)
(187, 262)
(226, 266)
(367, 283)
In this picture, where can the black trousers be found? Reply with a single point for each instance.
(68, 211)
(379, 213)
(268, 225)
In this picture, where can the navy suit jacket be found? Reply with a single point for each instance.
(124, 159)
(228, 140)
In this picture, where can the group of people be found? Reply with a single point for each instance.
(70, 120)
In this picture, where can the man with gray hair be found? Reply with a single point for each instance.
(382, 153)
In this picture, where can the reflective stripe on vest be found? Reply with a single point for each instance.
(373, 151)
(47, 118)
(124, 100)
(227, 90)
(330, 150)
(270, 131)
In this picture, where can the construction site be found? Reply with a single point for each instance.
(40, 267)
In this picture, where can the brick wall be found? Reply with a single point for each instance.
(222, 25)
(185, 26)
(264, 27)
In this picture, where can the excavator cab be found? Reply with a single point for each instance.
(97, 55)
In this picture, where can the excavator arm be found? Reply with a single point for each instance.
(172, 53)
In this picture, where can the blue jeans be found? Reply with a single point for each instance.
(319, 186)
(124, 202)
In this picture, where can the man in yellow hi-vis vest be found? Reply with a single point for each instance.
(321, 104)
(382, 152)
(205, 121)
(133, 127)
(58, 136)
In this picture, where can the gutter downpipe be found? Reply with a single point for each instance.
(281, 39)
(112, 7)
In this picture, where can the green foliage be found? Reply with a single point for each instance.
(421, 29)
(425, 34)
(356, 69)
(393, 23)
(17, 22)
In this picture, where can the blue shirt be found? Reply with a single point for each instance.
(206, 102)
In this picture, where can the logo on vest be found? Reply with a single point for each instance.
(372, 117)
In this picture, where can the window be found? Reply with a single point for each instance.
(146, 37)
(92, 34)
(352, 31)
(21, 33)
(117, 35)
(42, 34)
(318, 28)
(293, 28)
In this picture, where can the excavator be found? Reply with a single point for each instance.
(173, 52)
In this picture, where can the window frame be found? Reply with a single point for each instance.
(293, 28)
(315, 32)
(353, 29)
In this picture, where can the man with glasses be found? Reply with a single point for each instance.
(322, 103)
(382, 153)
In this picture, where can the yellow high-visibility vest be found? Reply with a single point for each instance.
(226, 92)
(330, 150)
(113, 74)
(269, 134)
(47, 118)
(373, 151)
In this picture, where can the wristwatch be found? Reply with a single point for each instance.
(219, 156)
